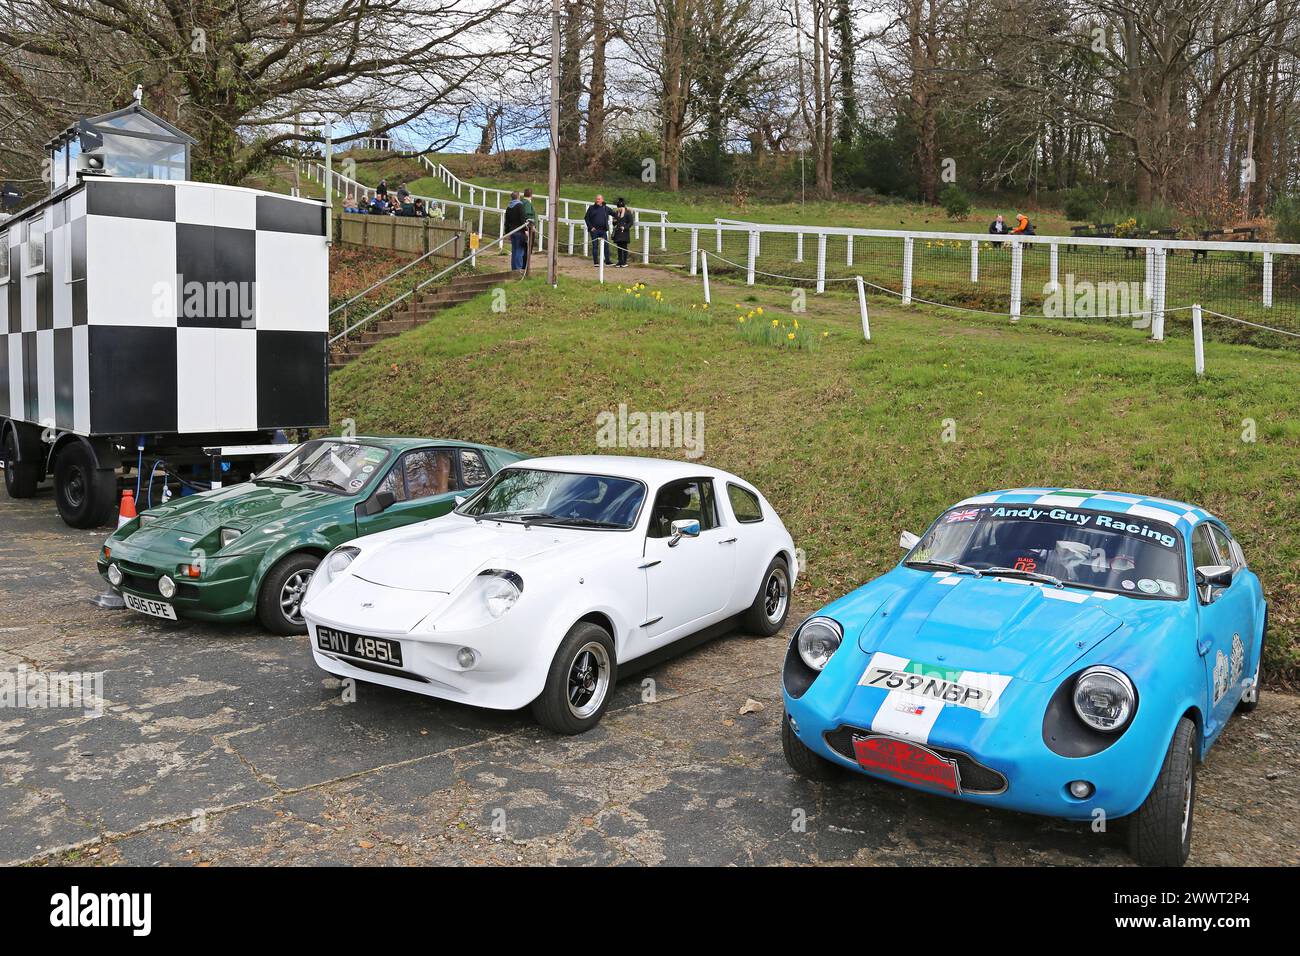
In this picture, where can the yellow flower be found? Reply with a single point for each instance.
(740, 319)
(824, 334)
(706, 305)
(638, 295)
(790, 335)
(775, 323)
(796, 323)
(759, 310)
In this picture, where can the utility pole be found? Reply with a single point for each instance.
(553, 181)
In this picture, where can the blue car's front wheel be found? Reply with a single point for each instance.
(802, 760)
(1160, 832)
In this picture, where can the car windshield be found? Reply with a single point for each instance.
(558, 497)
(340, 467)
(1100, 550)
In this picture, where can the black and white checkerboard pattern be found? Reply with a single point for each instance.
(165, 307)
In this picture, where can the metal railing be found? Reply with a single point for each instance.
(470, 259)
(343, 306)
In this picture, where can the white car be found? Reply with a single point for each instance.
(551, 577)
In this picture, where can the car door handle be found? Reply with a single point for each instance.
(727, 541)
(649, 564)
(1203, 646)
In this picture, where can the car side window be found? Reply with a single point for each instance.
(428, 471)
(394, 482)
(691, 498)
(744, 504)
(1223, 545)
(1203, 553)
(473, 469)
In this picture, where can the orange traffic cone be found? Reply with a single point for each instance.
(127, 511)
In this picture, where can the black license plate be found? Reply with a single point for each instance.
(378, 649)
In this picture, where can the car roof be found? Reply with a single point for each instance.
(1177, 513)
(649, 470)
(401, 442)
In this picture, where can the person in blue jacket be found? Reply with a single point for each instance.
(597, 220)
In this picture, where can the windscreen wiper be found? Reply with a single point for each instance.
(1022, 573)
(582, 522)
(522, 516)
(946, 565)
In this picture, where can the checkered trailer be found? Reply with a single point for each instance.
(146, 318)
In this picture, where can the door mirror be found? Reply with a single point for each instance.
(907, 541)
(683, 527)
(377, 503)
(1211, 576)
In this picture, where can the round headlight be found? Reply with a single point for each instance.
(1104, 698)
(500, 592)
(166, 587)
(114, 575)
(818, 639)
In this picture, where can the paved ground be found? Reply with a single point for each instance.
(227, 746)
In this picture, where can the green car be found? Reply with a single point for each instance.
(250, 549)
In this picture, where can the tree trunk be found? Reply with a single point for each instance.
(595, 150)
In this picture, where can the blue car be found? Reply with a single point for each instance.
(1054, 651)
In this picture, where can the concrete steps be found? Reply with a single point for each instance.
(411, 315)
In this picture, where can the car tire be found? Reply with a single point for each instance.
(1160, 832)
(580, 681)
(279, 602)
(85, 494)
(21, 477)
(1250, 700)
(802, 760)
(771, 605)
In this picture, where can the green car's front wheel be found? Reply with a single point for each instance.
(279, 604)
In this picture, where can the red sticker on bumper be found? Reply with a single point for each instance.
(908, 762)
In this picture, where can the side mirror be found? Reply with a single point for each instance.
(377, 503)
(1211, 576)
(907, 541)
(683, 527)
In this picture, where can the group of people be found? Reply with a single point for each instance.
(1023, 227)
(521, 226)
(384, 203)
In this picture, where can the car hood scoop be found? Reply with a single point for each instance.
(994, 626)
(438, 556)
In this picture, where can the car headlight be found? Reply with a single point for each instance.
(228, 535)
(818, 639)
(500, 590)
(1104, 698)
(335, 563)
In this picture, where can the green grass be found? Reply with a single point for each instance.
(846, 440)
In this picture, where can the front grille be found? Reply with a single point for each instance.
(135, 582)
(378, 668)
(975, 776)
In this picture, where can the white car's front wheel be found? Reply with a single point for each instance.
(579, 682)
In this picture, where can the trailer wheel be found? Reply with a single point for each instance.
(21, 477)
(85, 494)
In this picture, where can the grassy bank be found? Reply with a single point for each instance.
(846, 438)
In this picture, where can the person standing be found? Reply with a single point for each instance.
(517, 221)
(597, 220)
(530, 213)
(621, 225)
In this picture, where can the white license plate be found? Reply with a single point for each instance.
(146, 606)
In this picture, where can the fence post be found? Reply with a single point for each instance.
(502, 233)
(704, 267)
(862, 307)
(1268, 280)
(719, 240)
(1149, 286)
(975, 260)
(480, 221)
(695, 249)
(570, 238)
(798, 246)
(645, 247)
(1158, 304)
(600, 254)
(663, 233)
(749, 265)
(907, 270)
(1017, 270)
(1198, 343)
(586, 243)
(848, 242)
(821, 262)
(1051, 280)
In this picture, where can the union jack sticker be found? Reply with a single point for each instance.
(966, 514)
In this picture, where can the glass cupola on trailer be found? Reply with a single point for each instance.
(131, 143)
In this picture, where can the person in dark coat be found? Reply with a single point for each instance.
(597, 220)
(516, 217)
(620, 230)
